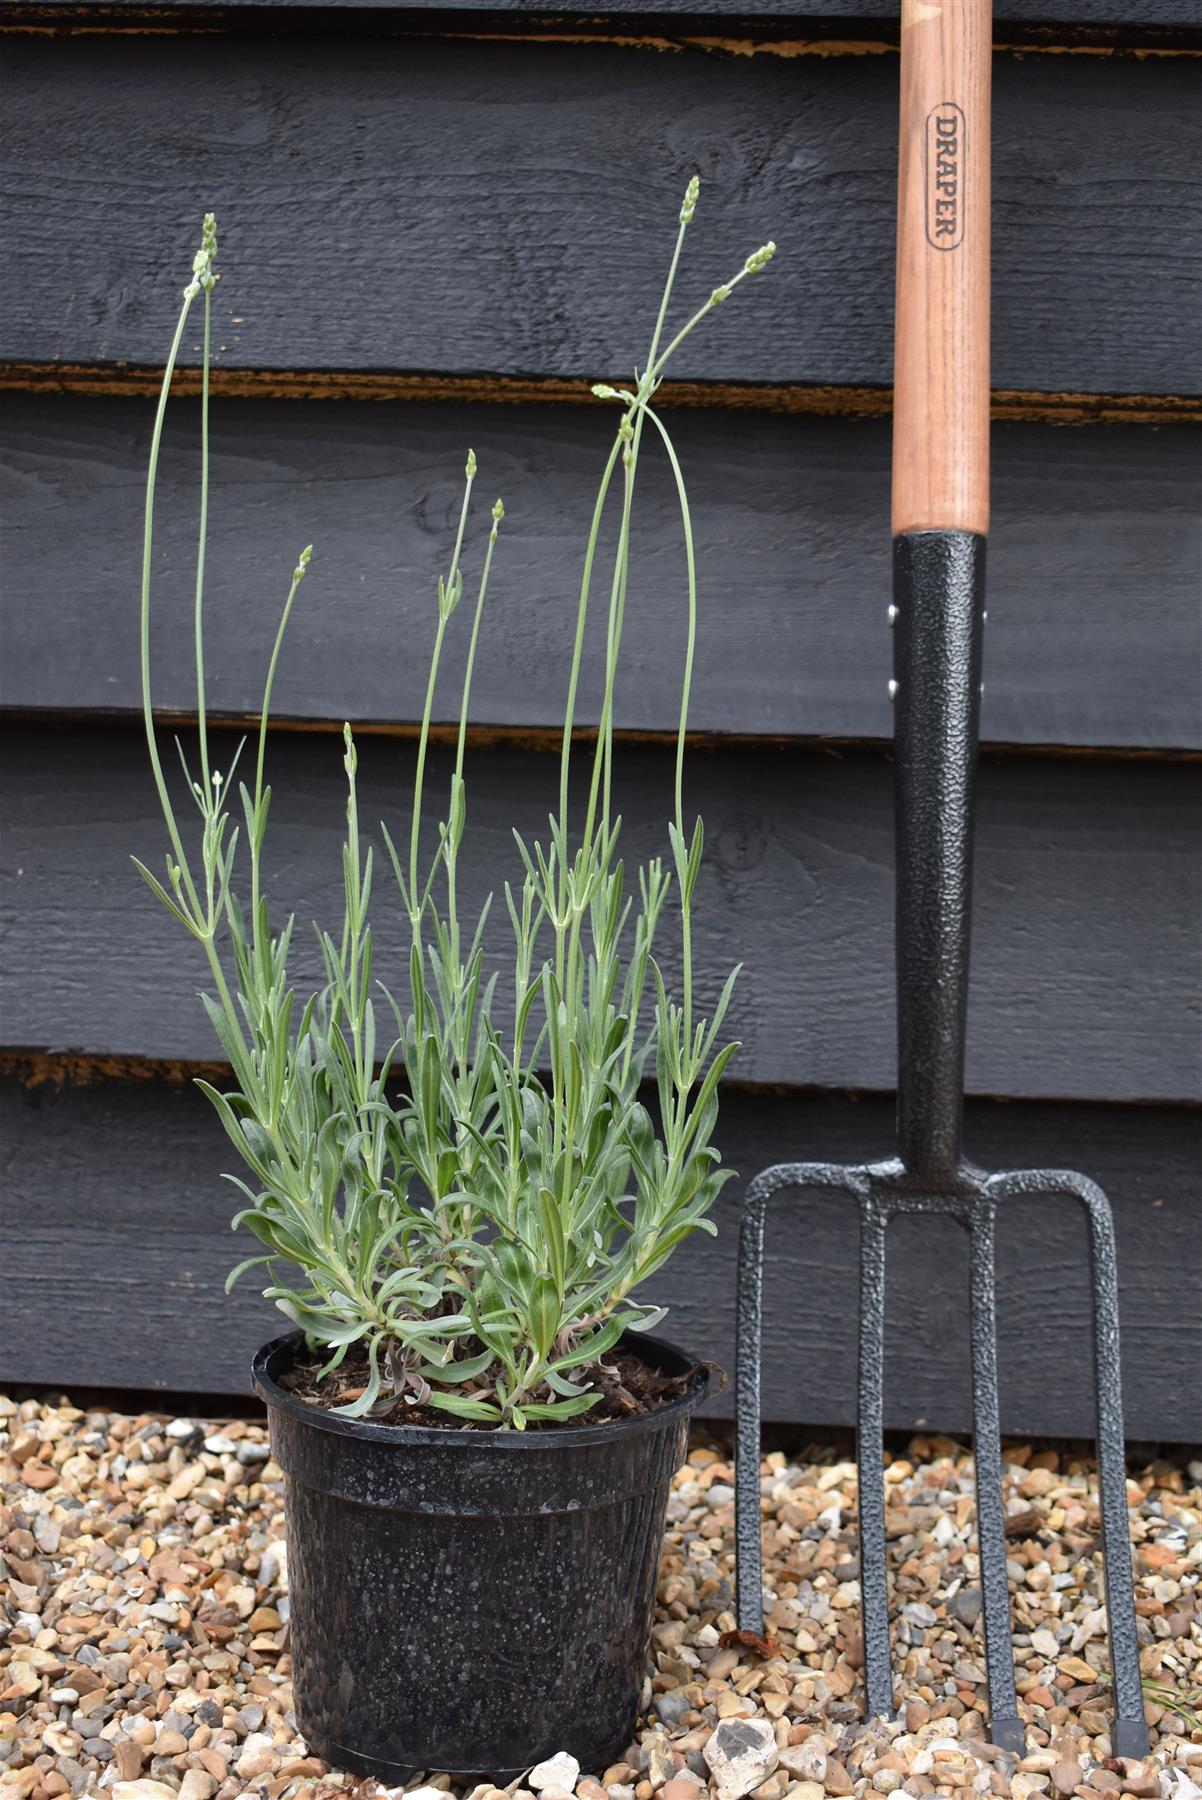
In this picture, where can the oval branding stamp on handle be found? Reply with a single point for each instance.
(945, 135)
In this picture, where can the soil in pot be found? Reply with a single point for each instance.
(627, 1383)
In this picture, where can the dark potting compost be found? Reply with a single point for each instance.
(625, 1383)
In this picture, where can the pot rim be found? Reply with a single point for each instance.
(506, 1439)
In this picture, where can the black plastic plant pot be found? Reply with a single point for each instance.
(471, 1601)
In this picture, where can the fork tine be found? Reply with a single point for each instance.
(1130, 1734)
(749, 1305)
(1005, 1726)
(870, 1455)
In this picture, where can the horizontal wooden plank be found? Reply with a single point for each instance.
(118, 1247)
(861, 20)
(455, 205)
(1087, 898)
(1095, 567)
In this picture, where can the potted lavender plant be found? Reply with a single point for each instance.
(457, 1190)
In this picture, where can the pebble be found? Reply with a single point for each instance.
(197, 1785)
(559, 1771)
(741, 1754)
(967, 1605)
(807, 1761)
(256, 1756)
(147, 1654)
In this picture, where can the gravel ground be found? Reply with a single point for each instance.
(144, 1638)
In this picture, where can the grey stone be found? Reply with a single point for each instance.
(740, 1754)
(967, 1605)
(671, 1707)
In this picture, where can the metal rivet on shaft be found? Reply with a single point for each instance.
(891, 615)
(893, 690)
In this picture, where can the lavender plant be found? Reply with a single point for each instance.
(453, 1168)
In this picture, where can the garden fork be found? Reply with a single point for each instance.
(940, 520)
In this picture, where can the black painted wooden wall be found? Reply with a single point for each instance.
(439, 224)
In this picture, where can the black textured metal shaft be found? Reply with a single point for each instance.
(939, 615)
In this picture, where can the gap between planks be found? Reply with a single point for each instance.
(57, 1070)
(547, 739)
(155, 21)
(1007, 405)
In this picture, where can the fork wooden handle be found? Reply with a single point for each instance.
(941, 356)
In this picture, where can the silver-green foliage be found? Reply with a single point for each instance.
(453, 1166)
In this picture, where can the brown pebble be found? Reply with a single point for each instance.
(39, 1475)
(128, 1757)
(1066, 1777)
(1144, 1783)
(679, 1788)
(837, 1780)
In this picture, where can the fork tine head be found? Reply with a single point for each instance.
(748, 1334)
(1129, 1736)
(870, 1456)
(1005, 1726)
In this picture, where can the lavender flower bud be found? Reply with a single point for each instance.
(760, 258)
(202, 262)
